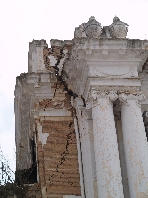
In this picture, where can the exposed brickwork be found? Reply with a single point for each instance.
(57, 53)
(56, 104)
(61, 99)
(41, 168)
(49, 121)
(97, 67)
(60, 163)
(58, 158)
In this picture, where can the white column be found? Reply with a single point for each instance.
(122, 157)
(108, 169)
(79, 158)
(87, 153)
(135, 144)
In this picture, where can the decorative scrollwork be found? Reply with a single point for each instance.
(96, 96)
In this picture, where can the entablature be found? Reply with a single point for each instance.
(100, 59)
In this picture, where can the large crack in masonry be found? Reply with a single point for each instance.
(63, 156)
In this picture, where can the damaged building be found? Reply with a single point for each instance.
(81, 120)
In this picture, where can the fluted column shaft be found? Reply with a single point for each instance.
(135, 145)
(108, 169)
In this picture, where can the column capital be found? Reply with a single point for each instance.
(125, 97)
(95, 97)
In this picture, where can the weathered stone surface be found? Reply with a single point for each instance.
(118, 29)
(76, 107)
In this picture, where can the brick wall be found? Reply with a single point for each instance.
(58, 160)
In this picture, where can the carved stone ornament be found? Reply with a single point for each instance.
(80, 31)
(126, 97)
(118, 29)
(95, 97)
(93, 28)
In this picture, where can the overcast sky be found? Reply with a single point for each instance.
(21, 21)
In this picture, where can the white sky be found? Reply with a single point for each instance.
(21, 21)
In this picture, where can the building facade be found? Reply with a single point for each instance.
(81, 118)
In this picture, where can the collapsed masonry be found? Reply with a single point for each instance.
(79, 130)
(45, 135)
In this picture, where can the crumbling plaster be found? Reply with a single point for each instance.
(67, 104)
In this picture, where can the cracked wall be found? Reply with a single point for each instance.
(45, 116)
(57, 160)
(58, 163)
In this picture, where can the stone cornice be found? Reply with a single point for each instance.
(112, 43)
(104, 61)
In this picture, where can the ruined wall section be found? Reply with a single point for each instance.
(144, 87)
(56, 145)
(44, 114)
(35, 56)
(42, 64)
(41, 58)
(54, 57)
(26, 92)
(22, 125)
